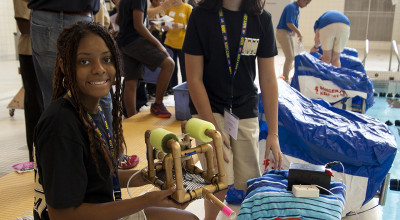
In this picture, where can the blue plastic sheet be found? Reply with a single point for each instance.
(347, 50)
(345, 78)
(347, 61)
(235, 196)
(318, 133)
(350, 51)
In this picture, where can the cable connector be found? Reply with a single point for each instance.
(331, 164)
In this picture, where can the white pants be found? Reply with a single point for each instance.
(334, 37)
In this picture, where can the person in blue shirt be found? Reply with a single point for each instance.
(288, 26)
(332, 31)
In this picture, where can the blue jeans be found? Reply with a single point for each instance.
(45, 28)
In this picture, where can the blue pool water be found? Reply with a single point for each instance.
(382, 111)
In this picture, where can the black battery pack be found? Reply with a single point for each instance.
(309, 174)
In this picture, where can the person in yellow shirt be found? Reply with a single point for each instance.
(176, 31)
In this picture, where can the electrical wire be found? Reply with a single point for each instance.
(357, 213)
(26, 217)
(334, 163)
(130, 178)
(129, 193)
(337, 198)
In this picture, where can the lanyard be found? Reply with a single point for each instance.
(241, 44)
(108, 141)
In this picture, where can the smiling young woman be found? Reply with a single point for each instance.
(76, 150)
(95, 70)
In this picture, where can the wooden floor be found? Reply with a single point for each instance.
(16, 190)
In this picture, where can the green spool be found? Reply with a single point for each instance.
(159, 138)
(197, 127)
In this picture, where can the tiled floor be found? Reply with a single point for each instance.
(12, 134)
(12, 138)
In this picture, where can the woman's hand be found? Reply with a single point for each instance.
(178, 26)
(272, 144)
(161, 199)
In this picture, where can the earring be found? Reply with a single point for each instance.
(63, 83)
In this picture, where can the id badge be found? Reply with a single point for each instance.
(250, 46)
(231, 124)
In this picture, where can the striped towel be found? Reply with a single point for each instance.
(268, 198)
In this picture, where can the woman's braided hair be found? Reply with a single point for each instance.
(65, 78)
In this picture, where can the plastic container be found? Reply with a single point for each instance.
(181, 97)
(152, 76)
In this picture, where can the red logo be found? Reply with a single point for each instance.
(343, 93)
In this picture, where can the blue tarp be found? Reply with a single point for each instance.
(347, 50)
(347, 61)
(318, 133)
(347, 79)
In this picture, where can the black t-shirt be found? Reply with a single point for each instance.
(204, 37)
(69, 6)
(64, 163)
(127, 33)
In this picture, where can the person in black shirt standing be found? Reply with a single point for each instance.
(140, 48)
(223, 40)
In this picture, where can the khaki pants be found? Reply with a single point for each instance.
(244, 154)
(285, 39)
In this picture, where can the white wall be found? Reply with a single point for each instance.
(275, 7)
(396, 24)
(316, 8)
(8, 28)
(311, 13)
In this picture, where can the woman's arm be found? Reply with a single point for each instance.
(115, 210)
(198, 94)
(152, 12)
(269, 91)
(175, 26)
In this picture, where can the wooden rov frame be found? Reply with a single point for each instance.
(181, 157)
